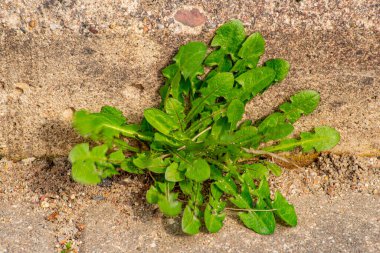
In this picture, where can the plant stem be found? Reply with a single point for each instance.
(204, 131)
(263, 152)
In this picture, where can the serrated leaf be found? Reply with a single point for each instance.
(256, 80)
(172, 173)
(323, 138)
(229, 37)
(161, 121)
(190, 222)
(235, 112)
(198, 171)
(213, 220)
(302, 103)
(280, 66)
(284, 210)
(84, 163)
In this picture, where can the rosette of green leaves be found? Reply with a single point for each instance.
(196, 144)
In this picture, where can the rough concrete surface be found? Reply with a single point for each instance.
(57, 56)
(42, 209)
(348, 224)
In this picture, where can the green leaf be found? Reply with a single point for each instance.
(169, 205)
(285, 211)
(152, 195)
(229, 37)
(186, 187)
(190, 57)
(235, 112)
(280, 66)
(217, 86)
(219, 58)
(256, 170)
(213, 220)
(263, 191)
(302, 103)
(85, 163)
(227, 185)
(175, 109)
(199, 171)
(256, 80)
(262, 223)
(276, 170)
(241, 65)
(323, 138)
(254, 45)
(219, 128)
(244, 199)
(106, 125)
(172, 173)
(163, 140)
(154, 164)
(274, 127)
(127, 165)
(167, 202)
(247, 136)
(117, 157)
(190, 222)
(161, 121)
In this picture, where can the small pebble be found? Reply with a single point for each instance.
(98, 197)
(45, 204)
(32, 24)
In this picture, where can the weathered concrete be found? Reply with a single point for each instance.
(344, 224)
(42, 209)
(59, 56)
(23, 229)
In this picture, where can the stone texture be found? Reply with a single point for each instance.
(59, 56)
(345, 224)
(24, 230)
(191, 17)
